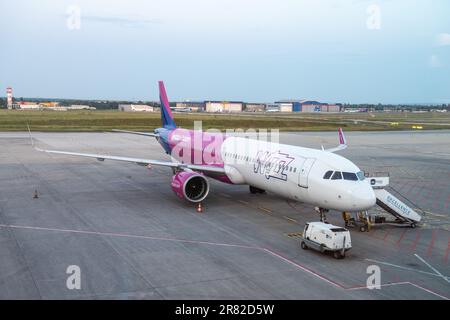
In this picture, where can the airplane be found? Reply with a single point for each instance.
(318, 177)
(182, 109)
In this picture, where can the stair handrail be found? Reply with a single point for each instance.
(415, 205)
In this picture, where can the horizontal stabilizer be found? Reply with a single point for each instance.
(136, 132)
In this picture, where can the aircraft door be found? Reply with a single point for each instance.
(304, 172)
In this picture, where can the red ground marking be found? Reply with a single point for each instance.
(433, 239)
(386, 235)
(411, 186)
(446, 202)
(428, 196)
(447, 251)
(436, 198)
(416, 240)
(381, 237)
(273, 253)
(405, 185)
(419, 193)
(401, 237)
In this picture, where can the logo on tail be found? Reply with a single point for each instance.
(166, 113)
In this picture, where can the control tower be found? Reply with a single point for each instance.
(9, 97)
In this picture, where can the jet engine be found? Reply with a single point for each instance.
(191, 186)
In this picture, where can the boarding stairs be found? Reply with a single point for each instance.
(393, 202)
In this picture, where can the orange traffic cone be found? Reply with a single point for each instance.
(199, 207)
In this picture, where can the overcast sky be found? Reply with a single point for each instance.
(253, 50)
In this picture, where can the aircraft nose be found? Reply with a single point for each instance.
(364, 198)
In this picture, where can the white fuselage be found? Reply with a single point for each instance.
(297, 173)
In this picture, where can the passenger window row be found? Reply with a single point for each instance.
(249, 159)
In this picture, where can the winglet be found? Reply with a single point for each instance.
(136, 132)
(342, 139)
(342, 142)
(32, 140)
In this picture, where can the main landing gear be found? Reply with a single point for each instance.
(254, 190)
(322, 213)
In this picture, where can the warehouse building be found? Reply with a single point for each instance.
(223, 106)
(22, 105)
(310, 106)
(279, 107)
(255, 107)
(331, 108)
(49, 104)
(135, 108)
(285, 107)
(272, 107)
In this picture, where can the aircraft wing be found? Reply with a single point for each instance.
(342, 142)
(102, 157)
(138, 133)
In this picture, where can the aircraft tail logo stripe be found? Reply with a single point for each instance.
(166, 113)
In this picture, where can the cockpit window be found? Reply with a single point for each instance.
(337, 176)
(360, 175)
(328, 174)
(350, 176)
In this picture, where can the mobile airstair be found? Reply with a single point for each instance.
(403, 210)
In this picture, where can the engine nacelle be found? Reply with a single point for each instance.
(190, 186)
